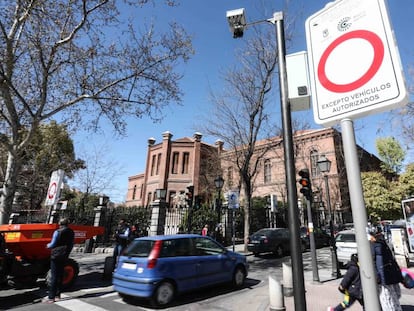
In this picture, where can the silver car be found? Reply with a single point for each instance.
(345, 246)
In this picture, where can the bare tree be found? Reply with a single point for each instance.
(99, 173)
(240, 114)
(60, 59)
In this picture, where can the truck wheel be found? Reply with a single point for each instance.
(108, 268)
(70, 273)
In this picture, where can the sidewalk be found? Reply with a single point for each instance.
(318, 296)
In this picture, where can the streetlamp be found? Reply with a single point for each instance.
(219, 182)
(161, 194)
(237, 24)
(324, 166)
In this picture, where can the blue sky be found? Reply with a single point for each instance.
(214, 52)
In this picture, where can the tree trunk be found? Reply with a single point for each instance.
(9, 188)
(247, 208)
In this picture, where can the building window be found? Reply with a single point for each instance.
(149, 198)
(153, 165)
(174, 169)
(186, 159)
(267, 171)
(171, 200)
(314, 156)
(158, 164)
(134, 192)
(230, 177)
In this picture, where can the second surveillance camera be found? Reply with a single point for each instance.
(237, 22)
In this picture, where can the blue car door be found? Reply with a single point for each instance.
(214, 266)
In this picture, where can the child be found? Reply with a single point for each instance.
(350, 286)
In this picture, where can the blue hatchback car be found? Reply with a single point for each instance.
(160, 267)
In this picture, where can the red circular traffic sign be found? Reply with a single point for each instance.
(52, 190)
(378, 47)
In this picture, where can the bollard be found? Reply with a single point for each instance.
(277, 302)
(89, 245)
(287, 280)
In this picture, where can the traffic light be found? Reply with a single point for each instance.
(304, 181)
(189, 195)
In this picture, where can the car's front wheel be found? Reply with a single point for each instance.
(163, 294)
(238, 277)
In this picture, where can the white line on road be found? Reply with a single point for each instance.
(76, 305)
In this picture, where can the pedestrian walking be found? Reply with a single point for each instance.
(350, 286)
(61, 246)
(122, 237)
(388, 273)
(204, 231)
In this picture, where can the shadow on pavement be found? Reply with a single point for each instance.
(194, 296)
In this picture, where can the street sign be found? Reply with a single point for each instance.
(55, 183)
(233, 199)
(354, 64)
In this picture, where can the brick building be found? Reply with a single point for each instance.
(175, 164)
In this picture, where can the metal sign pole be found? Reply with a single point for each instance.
(359, 213)
(293, 219)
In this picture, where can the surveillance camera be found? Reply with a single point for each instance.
(237, 22)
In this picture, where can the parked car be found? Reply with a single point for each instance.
(345, 246)
(160, 267)
(271, 240)
(322, 238)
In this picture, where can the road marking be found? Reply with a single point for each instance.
(76, 305)
(109, 295)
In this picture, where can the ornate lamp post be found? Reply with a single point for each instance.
(161, 194)
(324, 165)
(219, 182)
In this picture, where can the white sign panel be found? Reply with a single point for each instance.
(233, 199)
(52, 195)
(354, 65)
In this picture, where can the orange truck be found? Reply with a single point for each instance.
(27, 259)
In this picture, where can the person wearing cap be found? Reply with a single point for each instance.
(388, 272)
(60, 248)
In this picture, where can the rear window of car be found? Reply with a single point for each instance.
(345, 237)
(139, 248)
(169, 248)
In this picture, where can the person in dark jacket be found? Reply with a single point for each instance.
(388, 273)
(350, 286)
(122, 236)
(61, 246)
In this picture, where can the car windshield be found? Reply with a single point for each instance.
(139, 248)
(345, 237)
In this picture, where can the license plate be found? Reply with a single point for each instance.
(128, 266)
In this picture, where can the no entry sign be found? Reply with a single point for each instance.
(354, 65)
(55, 183)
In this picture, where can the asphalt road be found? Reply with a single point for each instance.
(92, 292)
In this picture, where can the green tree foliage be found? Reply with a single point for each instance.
(61, 59)
(391, 153)
(51, 148)
(381, 197)
(406, 182)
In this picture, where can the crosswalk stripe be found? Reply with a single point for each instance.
(76, 305)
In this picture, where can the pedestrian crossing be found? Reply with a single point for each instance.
(94, 299)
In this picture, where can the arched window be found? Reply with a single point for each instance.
(134, 192)
(267, 171)
(314, 156)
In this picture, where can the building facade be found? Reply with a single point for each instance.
(174, 165)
